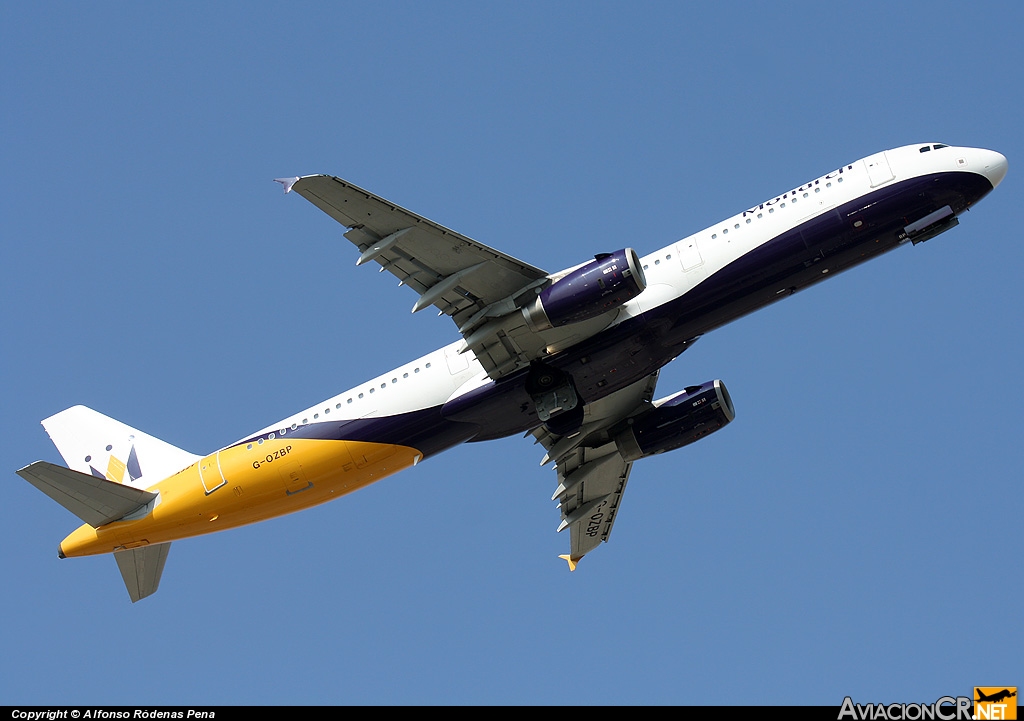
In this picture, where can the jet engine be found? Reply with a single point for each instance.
(676, 421)
(606, 282)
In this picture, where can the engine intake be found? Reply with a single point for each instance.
(606, 282)
(677, 421)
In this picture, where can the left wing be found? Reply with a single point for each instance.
(592, 475)
(464, 279)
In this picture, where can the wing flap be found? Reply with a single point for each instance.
(96, 501)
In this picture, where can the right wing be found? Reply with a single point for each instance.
(481, 288)
(592, 475)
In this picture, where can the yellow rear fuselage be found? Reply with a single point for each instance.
(244, 484)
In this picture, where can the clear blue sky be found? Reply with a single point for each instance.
(856, 530)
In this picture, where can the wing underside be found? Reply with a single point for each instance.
(592, 474)
(472, 283)
(483, 290)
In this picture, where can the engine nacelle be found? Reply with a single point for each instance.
(677, 421)
(606, 282)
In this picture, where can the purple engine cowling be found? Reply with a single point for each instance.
(686, 417)
(606, 282)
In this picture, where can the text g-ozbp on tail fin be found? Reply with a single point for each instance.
(93, 443)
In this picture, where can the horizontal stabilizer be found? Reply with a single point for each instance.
(96, 501)
(141, 568)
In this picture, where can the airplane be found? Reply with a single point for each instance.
(996, 697)
(570, 358)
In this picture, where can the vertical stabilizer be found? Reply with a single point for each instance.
(141, 569)
(93, 443)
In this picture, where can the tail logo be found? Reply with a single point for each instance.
(117, 469)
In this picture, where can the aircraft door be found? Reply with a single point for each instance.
(879, 172)
(689, 254)
(294, 478)
(210, 473)
(457, 362)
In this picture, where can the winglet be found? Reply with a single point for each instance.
(287, 183)
(570, 561)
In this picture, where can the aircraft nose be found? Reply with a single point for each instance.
(993, 167)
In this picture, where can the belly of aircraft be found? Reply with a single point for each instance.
(247, 483)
